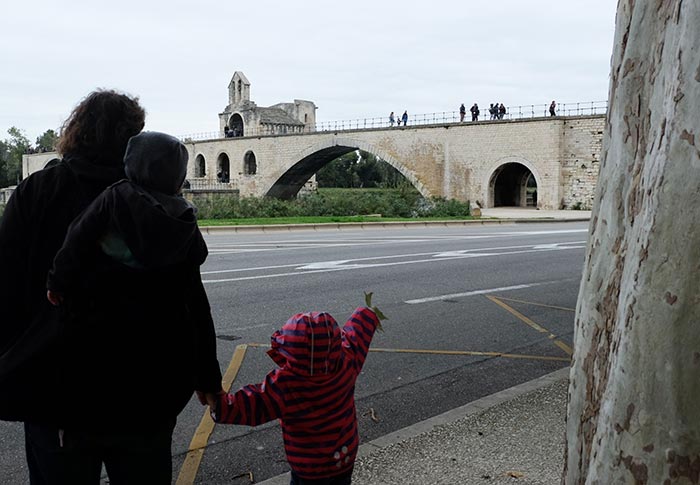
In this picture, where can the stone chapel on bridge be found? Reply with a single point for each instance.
(242, 117)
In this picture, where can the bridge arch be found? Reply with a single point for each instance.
(512, 182)
(52, 163)
(314, 158)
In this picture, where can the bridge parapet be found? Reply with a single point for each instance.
(529, 111)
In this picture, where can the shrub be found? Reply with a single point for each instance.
(332, 202)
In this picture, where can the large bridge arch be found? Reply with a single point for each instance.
(517, 172)
(314, 158)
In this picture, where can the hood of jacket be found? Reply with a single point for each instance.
(156, 236)
(309, 344)
(156, 161)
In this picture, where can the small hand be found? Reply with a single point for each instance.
(209, 398)
(54, 298)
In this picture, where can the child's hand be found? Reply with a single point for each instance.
(54, 298)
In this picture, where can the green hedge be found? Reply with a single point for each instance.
(332, 202)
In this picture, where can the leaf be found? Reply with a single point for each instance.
(368, 299)
(379, 313)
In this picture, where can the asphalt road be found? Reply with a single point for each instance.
(472, 310)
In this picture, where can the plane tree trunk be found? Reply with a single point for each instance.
(634, 392)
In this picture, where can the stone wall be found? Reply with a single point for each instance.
(582, 144)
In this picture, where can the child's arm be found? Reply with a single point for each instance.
(358, 332)
(252, 405)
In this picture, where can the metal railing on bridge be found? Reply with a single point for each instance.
(437, 118)
(195, 184)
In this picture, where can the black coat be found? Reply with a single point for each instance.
(125, 337)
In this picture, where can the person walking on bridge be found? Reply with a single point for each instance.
(404, 117)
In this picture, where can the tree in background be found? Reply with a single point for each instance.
(47, 141)
(359, 169)
(11, 151)
(634, 393)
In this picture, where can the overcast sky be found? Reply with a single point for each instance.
(353, 59)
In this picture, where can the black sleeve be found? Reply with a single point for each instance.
(81, 241)
(13, 271)
(208, 373)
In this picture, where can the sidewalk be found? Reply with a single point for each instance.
(513, 436)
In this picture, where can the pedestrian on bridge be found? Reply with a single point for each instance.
(391, 119)
(475, 112)
(462, 112)
(404, 117)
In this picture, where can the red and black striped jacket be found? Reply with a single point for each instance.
(312, 393)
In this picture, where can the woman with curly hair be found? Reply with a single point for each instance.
(77, 375)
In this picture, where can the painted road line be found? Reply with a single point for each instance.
(199, 442)
(471, 353)
(378, 265)
(475, 292)
(435, 257)
(532, 324)
(435, 254)
(536, 304)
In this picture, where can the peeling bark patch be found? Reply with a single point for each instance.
(628, 418)
(689, 137)
(663, 132)
(670, 298)
(630, 64)
(638, 470)
(649, 448)
(678, 97)
(697, 74)
(684, 467)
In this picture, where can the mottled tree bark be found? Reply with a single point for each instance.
(634, 394)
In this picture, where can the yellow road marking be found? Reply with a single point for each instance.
(472, 353)
(455, 352)
(188, 472)
(532, 324)
(537, 304)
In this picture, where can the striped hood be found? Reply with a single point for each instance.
(309, 344)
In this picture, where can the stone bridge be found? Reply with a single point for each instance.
(547, 162)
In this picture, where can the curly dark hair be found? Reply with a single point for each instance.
(100, 126)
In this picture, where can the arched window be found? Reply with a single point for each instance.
(200, 166)
(223, 169)
(235, 124)
(250, 165)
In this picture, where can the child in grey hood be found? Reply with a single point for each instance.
(141, 222)
(127, 279)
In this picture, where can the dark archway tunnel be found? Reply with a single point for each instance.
(289, 184)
